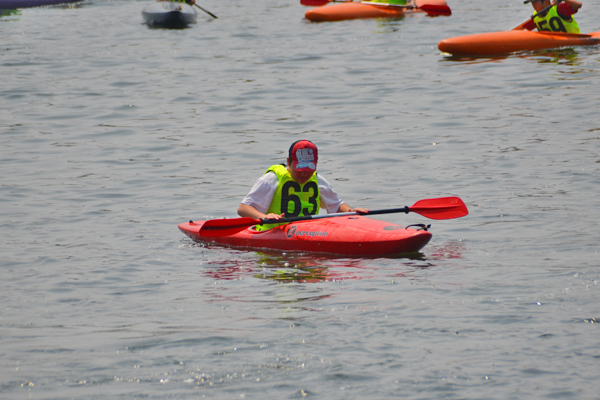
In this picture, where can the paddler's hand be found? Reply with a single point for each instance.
(274, 216)
(346, 208)
(191, 2)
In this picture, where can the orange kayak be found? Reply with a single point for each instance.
(354, 10)
(496, 43)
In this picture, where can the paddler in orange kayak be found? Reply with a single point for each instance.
(293, 190)
(559, 18)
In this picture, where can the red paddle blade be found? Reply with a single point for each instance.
(314, 3)
(435, 9)
(441, 208)
(226, 226)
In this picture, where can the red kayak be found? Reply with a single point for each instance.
(497, 43)
(345, 235)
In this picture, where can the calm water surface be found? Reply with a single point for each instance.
(112, 133)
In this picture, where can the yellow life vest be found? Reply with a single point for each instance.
(292, 198)
(552, 22)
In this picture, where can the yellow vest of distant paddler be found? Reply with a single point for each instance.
(552, 22)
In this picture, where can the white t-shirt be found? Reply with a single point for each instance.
(262, 193)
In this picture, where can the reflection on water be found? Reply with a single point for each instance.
(170, 28)
(389, 25)
(283, 267)
(8, 13)
(308, 268)
(303, 275)
(565, 56)
(450, 250)
(393, 25)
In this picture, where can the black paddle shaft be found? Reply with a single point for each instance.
(309, 217)
(206, 11)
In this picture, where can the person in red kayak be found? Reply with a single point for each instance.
(559, 18)
(293, 190)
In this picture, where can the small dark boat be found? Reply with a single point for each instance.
(15, 4)
(169, 14)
